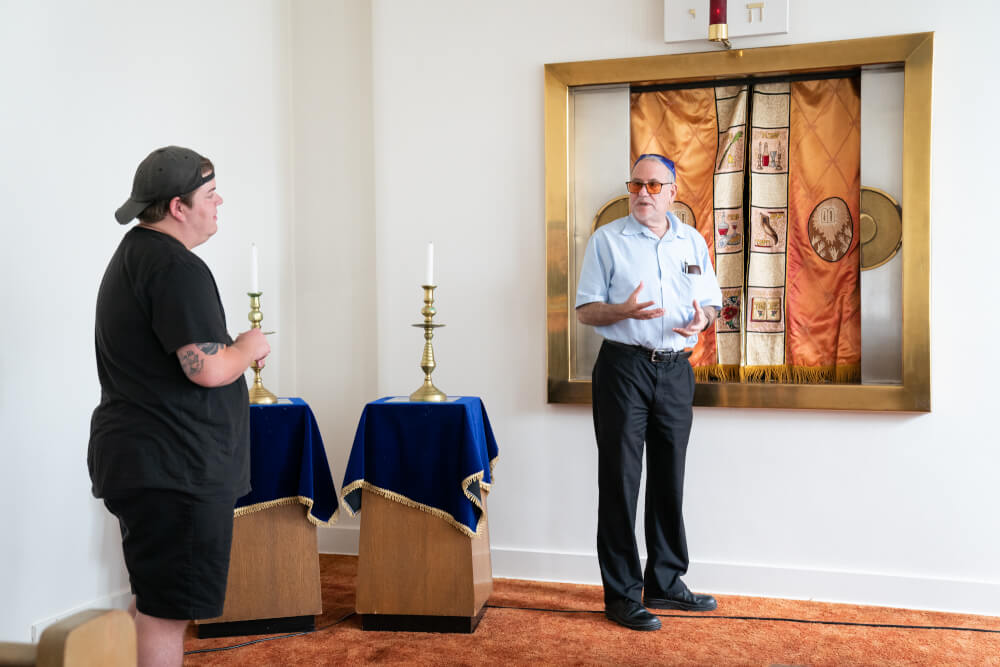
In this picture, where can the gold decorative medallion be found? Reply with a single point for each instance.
(881, 228)
(612, 210)
(683, 213)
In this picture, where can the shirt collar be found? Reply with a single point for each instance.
(677, 228)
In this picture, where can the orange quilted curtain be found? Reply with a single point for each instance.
(824, 257)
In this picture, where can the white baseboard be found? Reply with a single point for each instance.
(119, 600)
(570, 568)
(866, 588)
(884, 590)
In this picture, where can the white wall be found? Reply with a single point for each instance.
(88, 90)
(335, 331)
(878, 508)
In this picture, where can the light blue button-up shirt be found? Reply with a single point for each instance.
(624, 252)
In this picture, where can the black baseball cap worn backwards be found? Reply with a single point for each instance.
(165, 173)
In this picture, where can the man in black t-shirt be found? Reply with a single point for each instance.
(169, 442)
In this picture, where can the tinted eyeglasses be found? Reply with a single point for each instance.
(653, 187)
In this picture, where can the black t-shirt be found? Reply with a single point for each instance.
(155, 428)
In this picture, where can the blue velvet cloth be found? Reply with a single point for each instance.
(288, 462)
(437, 457)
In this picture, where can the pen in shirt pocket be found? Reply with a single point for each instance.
(691, 269)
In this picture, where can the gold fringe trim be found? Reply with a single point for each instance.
(403, 500)
(468, 482)
(493, 464)
(717, 373)
(848, 374)
(483, 486)
(308, 502)
(801, 374)
(779, 374)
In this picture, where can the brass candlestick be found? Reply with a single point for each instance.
(259, 395)
(427, 391)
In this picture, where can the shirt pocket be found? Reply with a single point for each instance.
(692, 284)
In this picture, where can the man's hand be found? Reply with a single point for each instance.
(602, 314)
(702, 318)
(631, 309)
(215, 365)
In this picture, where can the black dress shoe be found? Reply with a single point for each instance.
(684, 601)
(631, 614)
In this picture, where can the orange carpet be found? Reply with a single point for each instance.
(576, 637)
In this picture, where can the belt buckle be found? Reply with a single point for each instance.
(657, 356)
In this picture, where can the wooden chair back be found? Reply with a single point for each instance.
(92, 638)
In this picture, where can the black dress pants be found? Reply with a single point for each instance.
(636, 401)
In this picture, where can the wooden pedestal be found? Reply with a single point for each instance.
(418, 573)
(273, 583)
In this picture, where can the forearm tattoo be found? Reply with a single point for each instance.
(193, 363)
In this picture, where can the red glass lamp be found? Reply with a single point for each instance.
(718, 28)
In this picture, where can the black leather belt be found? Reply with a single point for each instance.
(656, 356)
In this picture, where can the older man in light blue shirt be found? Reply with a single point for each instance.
(648, 287)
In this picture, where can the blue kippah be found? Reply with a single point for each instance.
(669, 164)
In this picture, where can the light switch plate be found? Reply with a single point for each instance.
(686, 20)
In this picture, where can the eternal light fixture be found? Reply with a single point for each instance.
(718, 29)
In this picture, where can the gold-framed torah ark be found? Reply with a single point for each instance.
(911, 53)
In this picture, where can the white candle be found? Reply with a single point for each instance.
(429, 277)
(254, 287)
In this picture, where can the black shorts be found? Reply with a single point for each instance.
(176, 550)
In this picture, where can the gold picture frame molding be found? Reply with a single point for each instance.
(915, 53)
